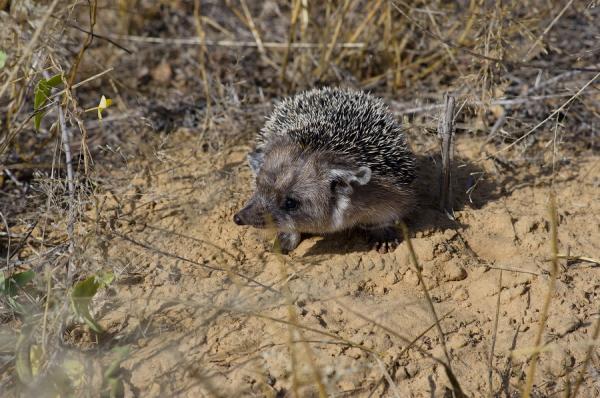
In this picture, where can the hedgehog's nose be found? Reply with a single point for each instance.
(238, 220)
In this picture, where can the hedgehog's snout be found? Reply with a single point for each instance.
(238, 219)
(246, 216)
(251, 215)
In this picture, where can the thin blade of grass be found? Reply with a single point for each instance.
(526, 392)
(494, 334)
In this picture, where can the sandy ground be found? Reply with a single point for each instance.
(208, 310)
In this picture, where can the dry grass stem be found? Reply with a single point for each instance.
(388, 378)
(254, 30)
(66, 143)
(419, 273)
(194, 41)
(295, 12)
(86, 44)
(579, 258)
(202, 61)
(324, 61)
(494, 334)
(544, 313)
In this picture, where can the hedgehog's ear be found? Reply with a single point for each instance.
(360, 176)
(256, 159)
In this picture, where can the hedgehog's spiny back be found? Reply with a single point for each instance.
(348, 122)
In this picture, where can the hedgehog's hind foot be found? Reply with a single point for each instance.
(287, 241)
(384, 239)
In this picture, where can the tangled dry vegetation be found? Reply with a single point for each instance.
(121, 271)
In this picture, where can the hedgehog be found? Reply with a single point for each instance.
(329, 160)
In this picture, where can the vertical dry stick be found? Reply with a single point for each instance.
(387, 27)
(446, 137)
(324, 63)
(435, 27)
(92, 8)
(470, 21)
(202, 56)
(356, 34)
(304, 20)
(490, 363)
(88, 41)
(544, 315)
(391, 44)
(293, 20)
(254, 31)
(66, 142)
(252, 27)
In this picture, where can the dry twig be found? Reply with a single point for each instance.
(446, 138)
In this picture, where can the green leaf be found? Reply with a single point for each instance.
(41, 96)
(42, 92)
(54, 80)
(36, 356)
(23, 355)
(105, 279)
(3, 58)
(113, 383)
(81, 297)
(10, 286)
(116, 388)
(113, 368)
(16, 306)
(22, 363)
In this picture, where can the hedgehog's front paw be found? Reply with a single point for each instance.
(384, 239)
(288, 241)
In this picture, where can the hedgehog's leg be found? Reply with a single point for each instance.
(383, 239)
(288, 241)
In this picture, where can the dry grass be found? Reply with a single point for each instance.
(63, 205)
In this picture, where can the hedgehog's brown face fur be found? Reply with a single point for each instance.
(298, 191)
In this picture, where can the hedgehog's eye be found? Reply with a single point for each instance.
(290, 204)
